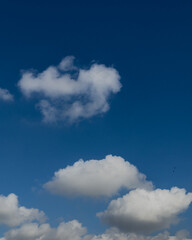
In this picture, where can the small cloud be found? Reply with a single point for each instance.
(5, 95)
(96, 178)
(67, 64)
(143, 211)
(68, 93)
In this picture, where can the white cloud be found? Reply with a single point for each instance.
(12, 214)
(71, 93)
(67, 64)
(72, 230)
(48, 111)
(5, 95)
(113, 234)
(97, 178)
(143, 211)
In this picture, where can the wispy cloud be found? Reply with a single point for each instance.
(5, 95)
(68, 93)
(97, 178)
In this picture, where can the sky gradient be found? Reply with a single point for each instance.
(108, 82)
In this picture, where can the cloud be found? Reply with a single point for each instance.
(113, 234)
(143, 211)
(5, 95)
(97, 178)
(67, 64)
(72, 230)
(22, 219)
(181, 235)
(12, 214)
(66, 92)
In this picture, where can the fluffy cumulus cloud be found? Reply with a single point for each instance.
(97, 178)
(5, 95)
(12, 214)
(23, 227)
(66, 92)
(113, 234)
(143, 211)
(72, 230)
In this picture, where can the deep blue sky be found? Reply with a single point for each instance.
(150, 120)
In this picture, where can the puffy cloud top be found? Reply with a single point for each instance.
(73, 230)
(33, 231)
(70, 93)
(13, 215)
(143, 211)
(97, 178)
(113, 234)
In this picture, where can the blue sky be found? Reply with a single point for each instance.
(148, 120)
